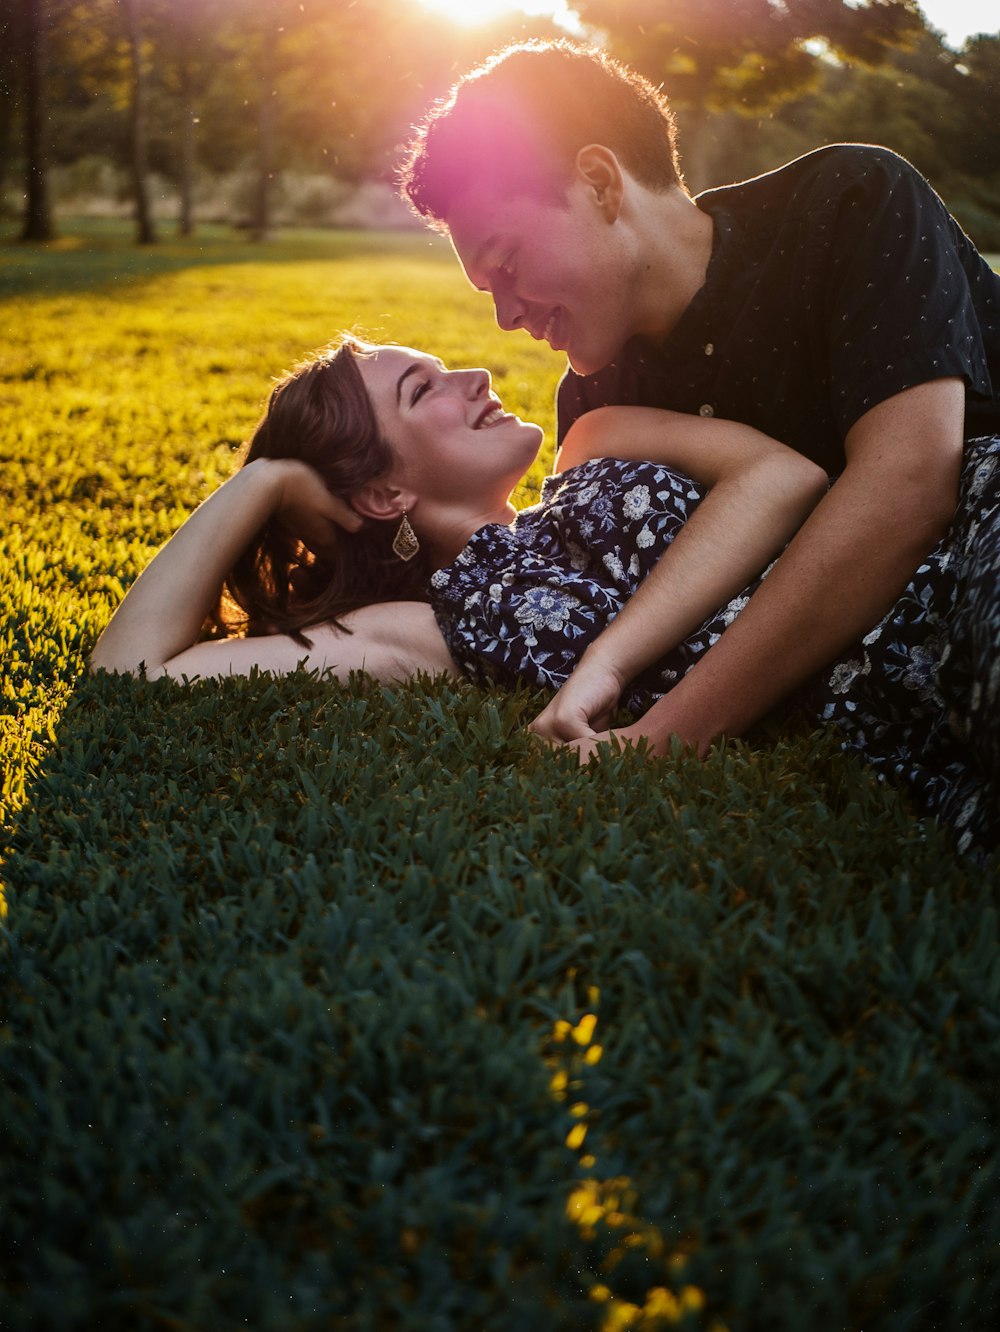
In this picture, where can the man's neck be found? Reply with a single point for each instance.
(674, 246)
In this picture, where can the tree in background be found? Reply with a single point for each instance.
(935, 106)
(139, 160)
(187, 39)
(294, 102)
(38, 210)
(10, 63)
(742, 56)
(977, 101)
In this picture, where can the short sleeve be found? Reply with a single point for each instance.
(900, 310)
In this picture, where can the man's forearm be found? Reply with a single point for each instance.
(743, 522)
(839, 576)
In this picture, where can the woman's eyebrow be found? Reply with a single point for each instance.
(410, 370)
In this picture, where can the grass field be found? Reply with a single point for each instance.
(349, 1007)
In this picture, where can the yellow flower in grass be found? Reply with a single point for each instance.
(561, 1029)
(582, 1196)
(593, 1055)
(584, 1030)
(662, 1303)
(693, 1300)
(575, 1137)
(619, 1316)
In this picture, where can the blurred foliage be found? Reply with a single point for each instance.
(334, 88)
(714, 55)
(342, 1006)
(935, 108)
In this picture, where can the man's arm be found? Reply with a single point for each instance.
(840, 574)
(759, 493)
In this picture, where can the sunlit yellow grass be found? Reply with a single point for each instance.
(121, 409)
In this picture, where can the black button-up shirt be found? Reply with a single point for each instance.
(834, 282)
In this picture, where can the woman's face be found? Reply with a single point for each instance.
(454, 444)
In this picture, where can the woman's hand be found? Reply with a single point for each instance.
(309, 511)
(583, 706)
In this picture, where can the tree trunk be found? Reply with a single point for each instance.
(260, 225)
(10, 60)
(38, 212)
(145, 229)
(185, 219)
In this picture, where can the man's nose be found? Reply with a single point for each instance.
(509, 311)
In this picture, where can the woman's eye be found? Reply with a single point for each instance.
(419, 392)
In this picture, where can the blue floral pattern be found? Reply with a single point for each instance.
(918, 697)
(521, 603)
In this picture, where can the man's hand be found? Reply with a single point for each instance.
(625, 737)
(583, 706)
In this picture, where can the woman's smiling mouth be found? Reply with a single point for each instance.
(491, 415)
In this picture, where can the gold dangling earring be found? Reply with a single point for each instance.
(405, 543)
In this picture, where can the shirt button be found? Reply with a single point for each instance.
(709, 348)
(706, 409)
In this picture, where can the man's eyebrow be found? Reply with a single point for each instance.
(481, 254)
(410, 370)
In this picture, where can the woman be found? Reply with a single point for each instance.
(372, 511)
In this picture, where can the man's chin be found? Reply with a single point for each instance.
(582, 364)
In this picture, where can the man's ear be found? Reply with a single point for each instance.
(599, 169)
(381, 501)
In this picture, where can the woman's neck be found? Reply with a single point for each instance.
(449, 538)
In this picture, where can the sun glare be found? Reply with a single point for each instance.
(471, 12)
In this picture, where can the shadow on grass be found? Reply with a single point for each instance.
(91, 253)
(285, 994)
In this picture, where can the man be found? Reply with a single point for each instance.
(833, 304)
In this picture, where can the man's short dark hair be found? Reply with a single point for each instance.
(519, 119)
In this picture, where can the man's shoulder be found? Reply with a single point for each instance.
(816, 178)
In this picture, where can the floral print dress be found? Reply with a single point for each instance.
(917, 697)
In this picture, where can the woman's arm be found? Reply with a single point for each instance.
(760, 492)
(156, 627)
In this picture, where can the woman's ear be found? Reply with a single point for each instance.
(601, 172)
(381, 501)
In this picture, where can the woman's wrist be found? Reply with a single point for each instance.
(274, 473)
(601, 658)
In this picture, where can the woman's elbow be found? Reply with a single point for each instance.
(805, 484)
(122, 662)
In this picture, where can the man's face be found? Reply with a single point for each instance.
(557, 270)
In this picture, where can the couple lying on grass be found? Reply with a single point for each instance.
(370, 529)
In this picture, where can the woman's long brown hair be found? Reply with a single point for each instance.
(322, 415)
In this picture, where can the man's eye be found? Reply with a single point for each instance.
(504, 271)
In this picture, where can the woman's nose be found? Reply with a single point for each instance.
(475, 383)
